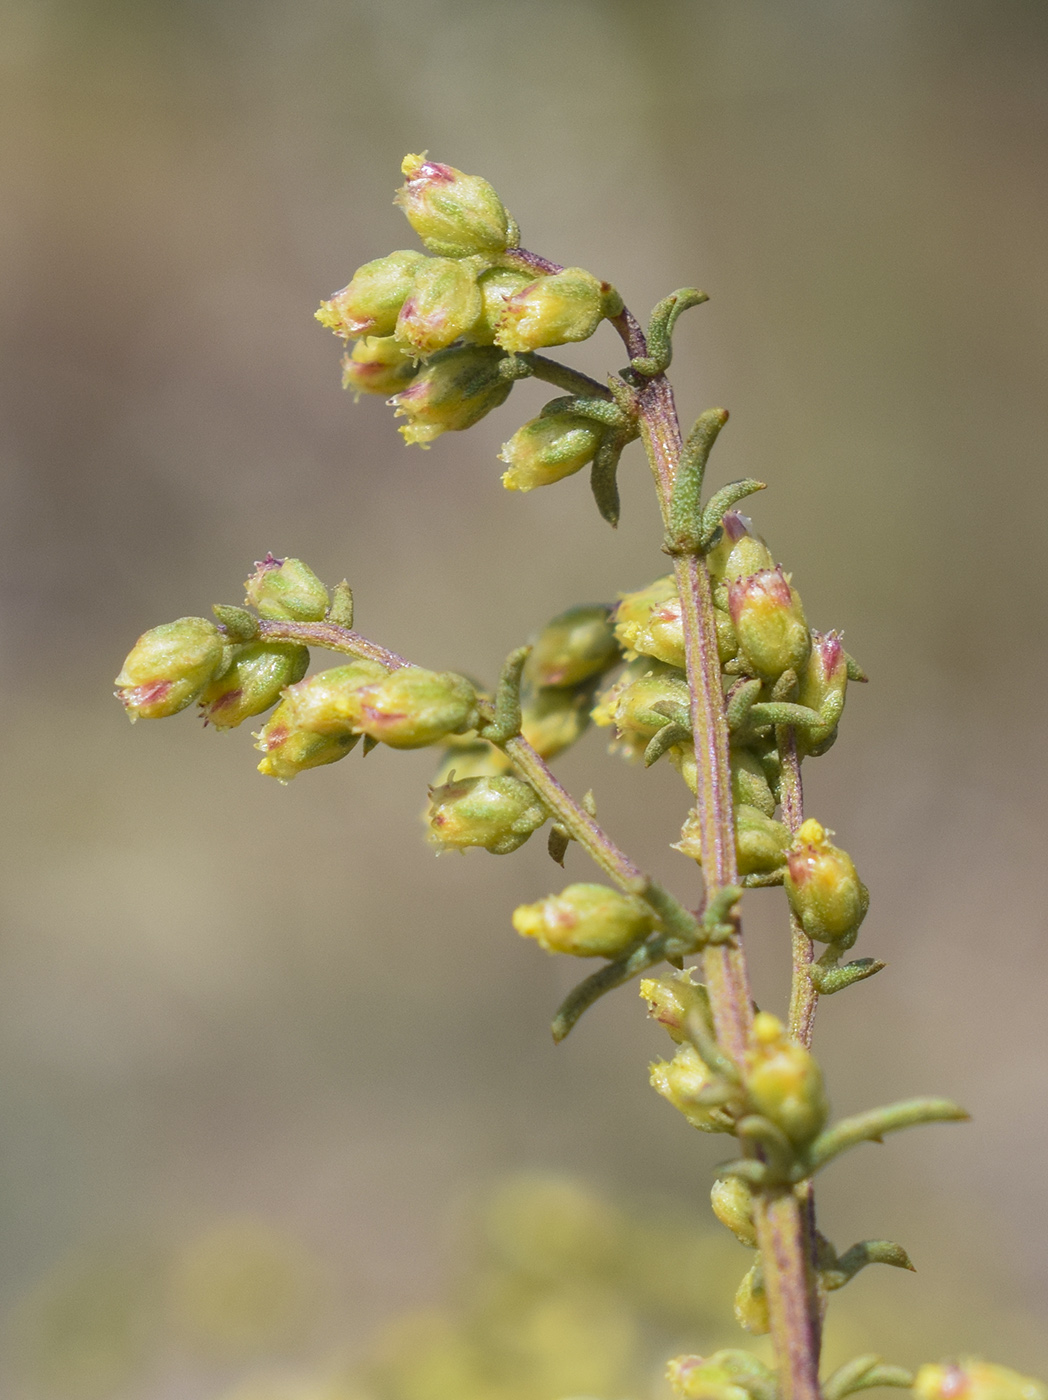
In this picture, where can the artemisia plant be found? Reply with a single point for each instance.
(712, 668)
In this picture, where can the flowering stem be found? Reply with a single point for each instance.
(793, 1310)
(333, 638)
(803, 996)
(781, 1216)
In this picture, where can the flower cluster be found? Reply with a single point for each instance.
(445, 336)
(713, 666)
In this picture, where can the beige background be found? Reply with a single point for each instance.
(221, 996)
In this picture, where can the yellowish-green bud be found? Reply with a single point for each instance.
(286, 590)
(635, 712)
(411, 707)
(497, 285)
(733, 527)
(672, 999)
(633, 610)
(698, 1378)
(289, 750)
(823, 887)
(452, 391)
(573, 647)
(760, 841)
(971, 1379)
(477, 760)
(649, 623)
(252, 682)
(454, 214)
(749, 782)
(547, 450)
(498, 814)
(327, 703)
(823, 687)
(682, 757)
(372, 301)
(732, 1202)
(552, 720)
(443, 305)
(377, 365)
(680, 1081)
(769, 622)
(169, 666)
(588, 921)
(751, 1303)
(748, 555)
(784, 1082)
(565, 306)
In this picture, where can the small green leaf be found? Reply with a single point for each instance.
(872, 1125)
(827, 980)
(859, 1255)
(684, 535)
(660, 330)
(604, 479)
(864, 1373)
(341, 609)
(506, 724)
(240, 625)
(721, 502)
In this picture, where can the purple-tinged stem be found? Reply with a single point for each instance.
(803, 997)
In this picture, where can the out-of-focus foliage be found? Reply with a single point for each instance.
(557, 1290)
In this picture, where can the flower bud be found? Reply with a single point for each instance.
(633, 610)
(327, 703)
(635, 713)
(372, 301)
(732, 1202)
(573, 647)
(552, 720)
(565, 306)
(682, 757)
(760, 841)
(377, 365)
(452, 391)
(588, 921)
(748, 555)
(751, 1303)
(823, 684)
(662, 634)
(823, 888)
(548, 449)
(680, 1080)
(749, 783)
(971, 1379)
(784, 1082)
(411, 707)
(444, 304)
(286, 590)
(497, 285)
(454, 214)
(289, 750)
(770, 623)
(478, 760)
(734, 526)
(699, 1378)
(256, 675)
(169, 666)
(496, 813)
(672, 999)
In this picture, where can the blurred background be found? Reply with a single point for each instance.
(238, 1017)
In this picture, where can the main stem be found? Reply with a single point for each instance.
(781, 1213)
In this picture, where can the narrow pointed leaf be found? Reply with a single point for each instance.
(721, 502)
(856, 1258)
(872, 1126)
